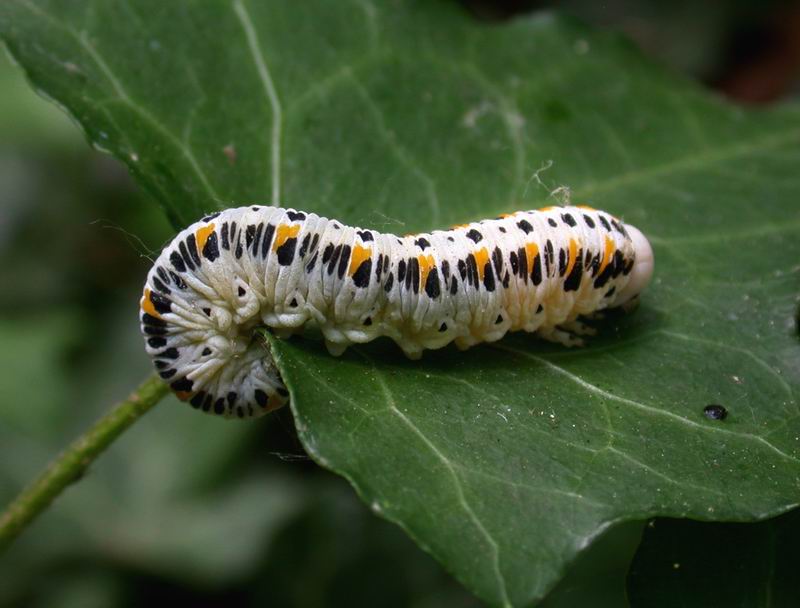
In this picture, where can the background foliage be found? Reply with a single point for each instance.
(163, 506)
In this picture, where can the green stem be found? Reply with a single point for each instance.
(71, 464)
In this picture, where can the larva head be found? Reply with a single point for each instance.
(642, 270)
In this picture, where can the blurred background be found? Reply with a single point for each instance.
(184, 507)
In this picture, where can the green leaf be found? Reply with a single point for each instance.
(506, 461)
(688, 563)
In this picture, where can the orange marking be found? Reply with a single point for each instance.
(505, 215)
(531, 251)
(425, 265)
(360, 254)
(201, 236)
(573, 254)
(275, 402)
(609, 251)
(587, 207)
(546, 208)
(458, 226)
(482, 258)
(147, 305)
(183, 395)
(284, 233)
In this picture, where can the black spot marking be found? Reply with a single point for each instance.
(241, 291)
(152, 330)
(549, 257)
(413, 275)
(312, 262)
(160, 303)
(261, 397)
(286, 252)
(589, 221)
(326, 255)
(295, 215)
(445, 270)
(522, 256)
(488, 277)
(525, 226)
(453, 286)
(443, 327)
(219, 406)
(257, 239)
(619, 264)
(206, 351)
(389, 282)
(184, 384)
(536, 272)
(401, 271)
(361, 275)
(187, 259)
(474, 235)
(249, 235)
(293, 303)
(512, 257)
(604, 276)
(337, 251)
(210, 217)
(628, 267)
(226, 243)
(497, 259)
(191, 244)
(573, 281)
(211, 248)
(422, 243)
(163, 274)
(159, 285)
(462, 269)
(539, 309)
(207, 312)
(568, 219)
(269, 233)
(343, 260)
(562, 262)
(605, 223)
(552, 222)
(365, 235)
(715, 411)
(498, 320)
(232, 396)
(156, 342)
(177, 261)
(501, 229)
(451, 239)
(197, 400)
(304, 245)
(149, 319)
(368, 321)
(432, 286)
(610, 292)
(506, 279)
(170, 353)
(472, 271)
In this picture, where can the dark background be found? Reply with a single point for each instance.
(189, 509)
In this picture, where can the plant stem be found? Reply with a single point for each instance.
(71, 464)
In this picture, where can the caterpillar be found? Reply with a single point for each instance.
(249, 267)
